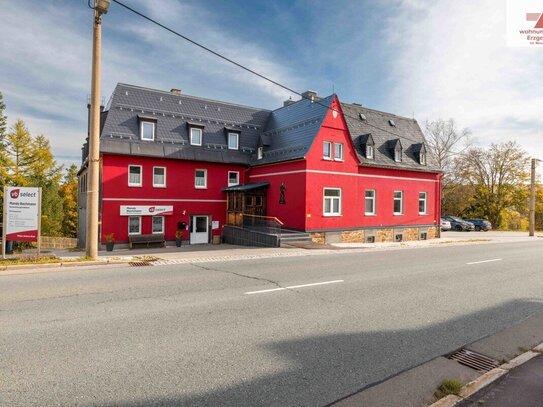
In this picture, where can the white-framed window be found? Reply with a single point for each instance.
(369, 151)
(259, 153)
(327, 150)
(159, 177)
(422, 158)
(423, 203)
(233, 141)
(147, 130)
(158, 225)
(398, 202)
(338, 151)
(369, 204)
(200, 179)
(398, 154)
(233, 178)
(332, 202)
(134, 225)
(195, 136)
(134, 175)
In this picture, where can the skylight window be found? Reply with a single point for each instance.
(363, 117)
(391, 122)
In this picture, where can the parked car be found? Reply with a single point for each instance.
(459, 224)
(480, 224)
(445, 225)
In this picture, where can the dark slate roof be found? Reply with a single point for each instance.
(120, 133)
(247, 187)
(291, 129)
(385, 137)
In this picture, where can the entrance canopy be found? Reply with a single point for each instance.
(247, 187)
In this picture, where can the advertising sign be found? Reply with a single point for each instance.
(143, 210)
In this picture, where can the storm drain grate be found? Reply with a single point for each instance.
(474, 360)
(139, 263)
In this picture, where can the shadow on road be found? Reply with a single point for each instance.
(327, 368)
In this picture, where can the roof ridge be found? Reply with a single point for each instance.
(301, 100)
(184, 95)
(356, 106)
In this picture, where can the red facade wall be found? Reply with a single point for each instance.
(179, 192)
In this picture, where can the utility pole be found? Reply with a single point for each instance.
(93, 184)
(532, 198)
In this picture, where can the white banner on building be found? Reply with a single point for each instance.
(143, 210)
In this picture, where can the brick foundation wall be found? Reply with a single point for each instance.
(381, 235)
(48, 242)
(353, 236)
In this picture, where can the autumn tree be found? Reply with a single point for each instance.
(68, 193)
(3, 156)
(20, 154)
(498, 178)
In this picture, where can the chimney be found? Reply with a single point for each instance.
(288, 102)
(175, 91)
(311, 95)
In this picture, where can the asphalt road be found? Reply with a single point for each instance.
(190, 335)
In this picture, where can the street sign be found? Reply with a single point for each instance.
(22, 215)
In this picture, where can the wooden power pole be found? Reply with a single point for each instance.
(532, 198)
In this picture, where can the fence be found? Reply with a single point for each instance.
(247, 237)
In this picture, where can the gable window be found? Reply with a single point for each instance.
(327, 150)
(398, 154)
(159, 177)
(398, 202)
(147, 130)
(158, 225)
(338, 151)
(332, 202)
(233, 178)
(134, 175)
(259, 153)
(195, 136)
(370, 202)
(369, 151)
(423, 203)
(134, 225)
(200, 179)
(233, 141)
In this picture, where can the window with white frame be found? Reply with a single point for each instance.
(369, 202)
(327, 150)
(158, 225)
(338, 151)
(134, 225)
(147, 130)
(195, 136)
(233, 141)
(233, 178)
(134, 175)
(398, 154)
(332, 202)
(159, 177)
(422, 158)
(369, 151)
(398, 202)
(423, 203)
(200, 179)
(259, 153)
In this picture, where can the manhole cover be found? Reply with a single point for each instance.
(474, 360)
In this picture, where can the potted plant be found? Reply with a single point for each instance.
(109, 242)
(178, 236)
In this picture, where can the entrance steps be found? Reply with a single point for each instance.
(293, 236)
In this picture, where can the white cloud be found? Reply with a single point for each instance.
(451, 60)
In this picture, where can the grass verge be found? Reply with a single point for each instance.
(448, 386)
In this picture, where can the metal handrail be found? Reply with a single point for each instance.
(265, 217)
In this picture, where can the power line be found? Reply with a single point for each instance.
(217, 54)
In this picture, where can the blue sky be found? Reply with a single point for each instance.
(430, 59)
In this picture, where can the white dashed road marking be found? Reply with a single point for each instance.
(484, 261)
(293, 287)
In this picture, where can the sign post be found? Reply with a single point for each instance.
(22, 216)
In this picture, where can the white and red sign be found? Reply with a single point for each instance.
(22, 213)
(144, 210)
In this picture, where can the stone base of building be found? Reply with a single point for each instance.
(377, 235)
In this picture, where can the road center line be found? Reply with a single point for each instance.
(292, 287)
(484, 261)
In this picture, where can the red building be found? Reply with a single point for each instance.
(340, 172)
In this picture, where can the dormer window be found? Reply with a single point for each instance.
(147, 130)
(398, 153)
(369, 151)
(422, 158)
(259, 153)
(195, 136)
(421, 153)
(233, 141)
